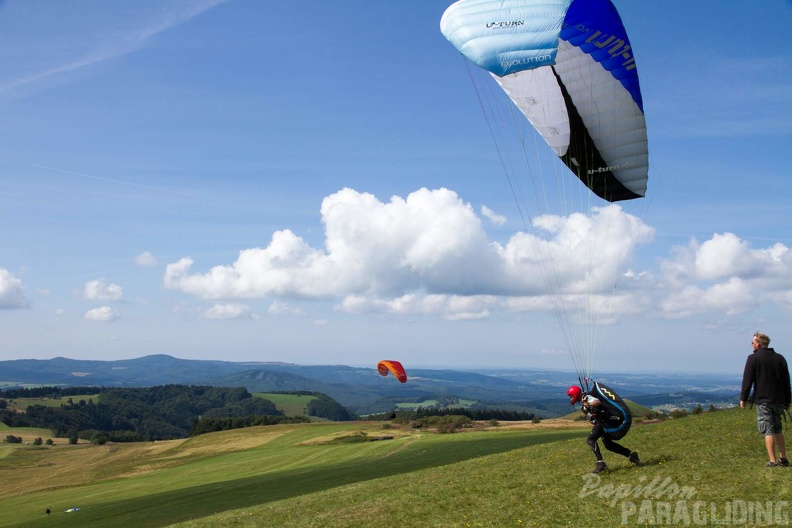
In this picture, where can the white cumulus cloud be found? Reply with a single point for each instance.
(12, 295)
(101, 290)
(426, 254)
(724, 256)
(102, 314)
(724, 274)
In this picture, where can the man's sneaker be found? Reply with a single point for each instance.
(634, 458)
(784, 462)
(600, 467)
(773, 464)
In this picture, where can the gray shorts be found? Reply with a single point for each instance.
(768, 418)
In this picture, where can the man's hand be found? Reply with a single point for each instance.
(742, 404)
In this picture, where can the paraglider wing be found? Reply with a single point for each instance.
(568, 66)
(394, 367)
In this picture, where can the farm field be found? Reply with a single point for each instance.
(289, 404)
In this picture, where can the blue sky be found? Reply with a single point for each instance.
(314, 182)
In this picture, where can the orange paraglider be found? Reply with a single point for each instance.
(392, 366)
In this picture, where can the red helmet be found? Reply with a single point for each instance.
(574, 393)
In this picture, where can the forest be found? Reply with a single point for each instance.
(153, 413)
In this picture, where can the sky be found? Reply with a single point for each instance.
(316, 183)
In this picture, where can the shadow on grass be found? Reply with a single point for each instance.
(655, 460)
(163, 509)
(621, 464)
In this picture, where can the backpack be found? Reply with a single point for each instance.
(621, 417)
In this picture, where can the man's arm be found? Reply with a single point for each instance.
(749, 378)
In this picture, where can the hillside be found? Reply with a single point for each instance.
(298, 476)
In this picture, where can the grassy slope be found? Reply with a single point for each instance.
(156, 484)
(280, 476)
(717, 457)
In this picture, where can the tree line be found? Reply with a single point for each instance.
(152, 413)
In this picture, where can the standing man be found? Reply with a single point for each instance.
(767, 372)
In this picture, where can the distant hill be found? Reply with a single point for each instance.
(361, 388)
(158, 369)
(364, 391)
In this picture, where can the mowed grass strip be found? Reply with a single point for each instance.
(192, 480)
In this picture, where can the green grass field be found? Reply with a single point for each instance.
(294, 475)
(24, 403)
(289, 404)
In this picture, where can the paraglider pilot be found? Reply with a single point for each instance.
(611, 421)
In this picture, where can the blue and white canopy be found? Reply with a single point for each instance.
(569, 67)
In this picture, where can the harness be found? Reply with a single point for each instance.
(619, 411)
